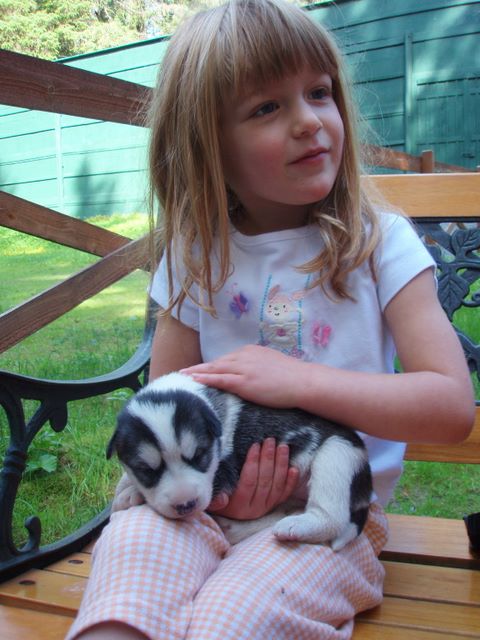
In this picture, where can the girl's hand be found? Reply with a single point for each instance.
(255, 373)
(266, 480)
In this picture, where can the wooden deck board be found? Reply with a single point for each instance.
(78, 564)
(367, 631)
(429, 540)
(437, 617)
(44, 591)
(432, 584)
(20, 624)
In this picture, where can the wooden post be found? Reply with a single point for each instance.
(427, 162)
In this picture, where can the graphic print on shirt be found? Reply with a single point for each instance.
(282, 323)
(281, 319)
(321, 334)
(239, 303)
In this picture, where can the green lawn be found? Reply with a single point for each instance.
(69, 479)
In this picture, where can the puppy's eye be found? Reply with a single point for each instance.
(143, 467)
(200, 459)
(148, 475)
(200, 453)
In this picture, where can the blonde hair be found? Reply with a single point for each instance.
(216, 55)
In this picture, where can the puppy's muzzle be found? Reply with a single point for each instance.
(185, 508)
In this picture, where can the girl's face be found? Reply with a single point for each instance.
(281, 149)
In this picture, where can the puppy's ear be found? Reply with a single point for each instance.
(213, 423)
(111, 445)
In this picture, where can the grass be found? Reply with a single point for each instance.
(442, 489)
(437, 489)
(68, 479)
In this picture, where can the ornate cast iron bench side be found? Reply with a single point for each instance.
(54, 398)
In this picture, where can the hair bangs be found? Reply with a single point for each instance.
(262, 41)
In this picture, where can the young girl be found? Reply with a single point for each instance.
(282, 283)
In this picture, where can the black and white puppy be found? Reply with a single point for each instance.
(181, 443)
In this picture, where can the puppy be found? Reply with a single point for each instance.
(181, 443)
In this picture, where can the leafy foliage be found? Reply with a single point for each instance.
(54, 29)
(44, 452)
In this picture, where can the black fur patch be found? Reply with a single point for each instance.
(130, 433)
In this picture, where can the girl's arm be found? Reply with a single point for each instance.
(174, 346)
(432, 401)
(266, 478)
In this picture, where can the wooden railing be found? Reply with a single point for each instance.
(38, 84)
(400, 161)
(32, 83)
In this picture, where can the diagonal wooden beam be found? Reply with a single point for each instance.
(28, 217)
(28, 317)
(33, 83)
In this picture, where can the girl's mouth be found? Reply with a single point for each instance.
(311, 156)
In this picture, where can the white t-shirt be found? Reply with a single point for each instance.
(267, 301)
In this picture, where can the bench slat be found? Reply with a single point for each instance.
(425, 582)
(44, 591)
(426, 616)
(77, 564)
(431, 194)
(367, 631)
(427, 540)
(18, 624)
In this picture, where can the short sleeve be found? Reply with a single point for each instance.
(400, 257)
(189, 313)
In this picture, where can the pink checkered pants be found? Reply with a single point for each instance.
(183, 580)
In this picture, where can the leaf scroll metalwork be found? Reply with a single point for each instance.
(455, 248)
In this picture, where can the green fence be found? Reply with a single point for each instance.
(415, 65)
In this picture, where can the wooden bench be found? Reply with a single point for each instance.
(432, 587)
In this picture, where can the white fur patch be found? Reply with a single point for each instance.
(188, 444)
(233, 408)
(150, 455)
(176, 381)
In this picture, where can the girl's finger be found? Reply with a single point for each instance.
(291, 483)
(282, 455)
(219, 502)
(266, 468)
(247, 482)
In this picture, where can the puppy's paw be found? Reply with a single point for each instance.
(316, 529)
(349, 533)
(307, 527)
(126, 495)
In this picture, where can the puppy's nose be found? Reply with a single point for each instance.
(185, 508)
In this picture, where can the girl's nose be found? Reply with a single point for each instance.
(306, 121)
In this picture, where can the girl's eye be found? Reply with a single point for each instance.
(265, 109)
(320, 94)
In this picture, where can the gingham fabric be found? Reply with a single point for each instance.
(183, 580)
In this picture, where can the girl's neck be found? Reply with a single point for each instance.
(270, 221)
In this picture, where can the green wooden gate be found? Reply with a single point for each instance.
(446, 117)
